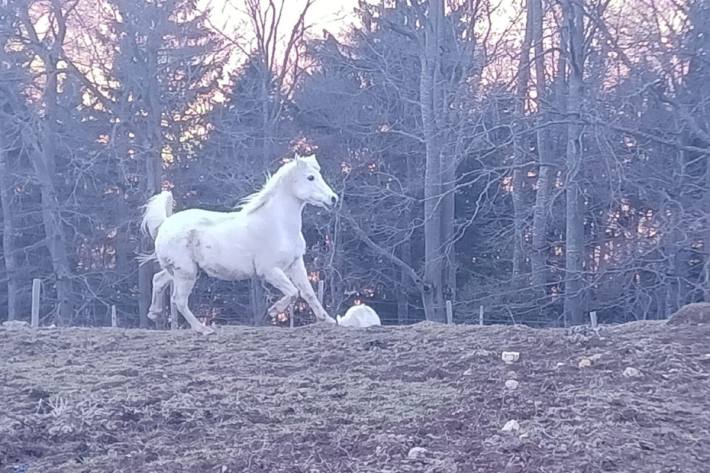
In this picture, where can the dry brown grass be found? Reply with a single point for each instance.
(324, 399)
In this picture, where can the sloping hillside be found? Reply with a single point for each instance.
(425, 398)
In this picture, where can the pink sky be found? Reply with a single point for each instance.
(333, 15)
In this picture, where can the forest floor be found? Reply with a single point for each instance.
(423, 398)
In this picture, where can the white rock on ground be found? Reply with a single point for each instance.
(510, 357)
(512, 384)
(631, 372)
(511, 426)
(417, 453)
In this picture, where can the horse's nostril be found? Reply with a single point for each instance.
(333, 200)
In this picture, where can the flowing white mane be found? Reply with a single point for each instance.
(256, 200)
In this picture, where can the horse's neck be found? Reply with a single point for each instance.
(286, 212)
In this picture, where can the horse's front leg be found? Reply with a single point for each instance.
(299, 276)
(277, 278)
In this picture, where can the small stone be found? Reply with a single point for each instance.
(468, 372)
(584, 363)
(512, 384)
(482, 353)
(511, 426)
(417, 453)
(510, 357)
(631, 372)
(511, 375)
(596, 357)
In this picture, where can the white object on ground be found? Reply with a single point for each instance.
(512, 384)
(510, 357)
(631, 372)
(359, 316)
(510, 426)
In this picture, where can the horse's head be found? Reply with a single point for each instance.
(308, 184)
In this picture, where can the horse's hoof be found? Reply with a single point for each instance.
(153, 316)
(205, 330)
(329, 320)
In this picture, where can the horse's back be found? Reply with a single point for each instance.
(181, 223)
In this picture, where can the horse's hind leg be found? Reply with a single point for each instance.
(183, 282)
(161, 280)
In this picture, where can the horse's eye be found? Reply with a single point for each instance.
(310, 178)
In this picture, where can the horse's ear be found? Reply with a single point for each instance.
(298, 158)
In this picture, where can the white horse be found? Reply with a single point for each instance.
(359, 315)
(262, 239)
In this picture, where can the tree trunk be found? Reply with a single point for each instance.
(432, 291)
(706, 238)
(8, 232)
(538, 259)
(152, 149)
(448, 215)
(257, 294)
(574, 239)
(257, 299)
(44, 165)
(405, 254)
(122, 234)
(521, 148)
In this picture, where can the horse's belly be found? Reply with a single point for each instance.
(226, 273)
(219, 261)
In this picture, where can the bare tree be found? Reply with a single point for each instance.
(574, 239)
(276, 52)
(8, 232)
(538, 259)
(521, 146)
(50, 50)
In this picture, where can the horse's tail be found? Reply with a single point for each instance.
(157, 210)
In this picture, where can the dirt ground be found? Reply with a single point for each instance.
(424, 398)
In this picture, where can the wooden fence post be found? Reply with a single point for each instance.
(36, 290)
(480, 314)
(321, 291)
(449, 313)
(114, 317)
(593, 318)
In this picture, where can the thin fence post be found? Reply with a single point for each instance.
(174, 316)
(480, 314)
(449, 313)
(593, 318)
(321, 291)
(36, 290)
(114, 317)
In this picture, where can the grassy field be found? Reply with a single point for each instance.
(423, 398)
